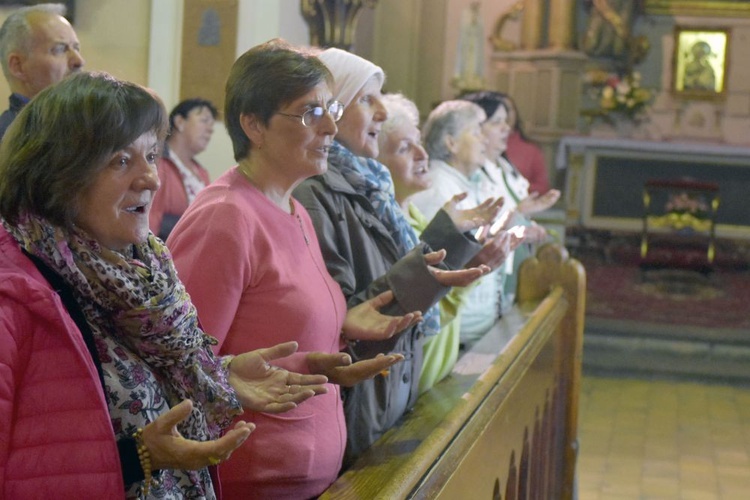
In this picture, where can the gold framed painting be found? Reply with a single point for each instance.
(700, 62)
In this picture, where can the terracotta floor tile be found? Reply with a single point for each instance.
(663, 440)
(660, 487)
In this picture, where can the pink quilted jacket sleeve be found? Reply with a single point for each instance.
(56, 439)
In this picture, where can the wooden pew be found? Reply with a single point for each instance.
(503, 424)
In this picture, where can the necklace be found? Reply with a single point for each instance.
(273, 195)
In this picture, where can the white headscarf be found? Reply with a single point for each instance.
(350, 73)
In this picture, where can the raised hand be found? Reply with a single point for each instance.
(535, 203)
(169, 450)
(347, 374)
(266, 388)
(495, 250)
(472, 218)
(535, 233)
(460, 277)
(365, 322)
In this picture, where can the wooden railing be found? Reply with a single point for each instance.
(503, 424)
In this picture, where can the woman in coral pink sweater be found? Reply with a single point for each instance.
(250, 259)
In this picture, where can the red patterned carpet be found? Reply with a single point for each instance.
(618, 291)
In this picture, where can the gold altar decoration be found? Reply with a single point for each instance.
(680, 221)
(690, 208)
(496, 38)
(333, 22)
(609, 34)
(699, 8)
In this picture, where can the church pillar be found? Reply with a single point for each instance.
(562, 24)
(531, 28)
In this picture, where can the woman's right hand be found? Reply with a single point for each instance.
(339, 369)
(495, 250)
(459, 277)
(169, 450)
(365, 321)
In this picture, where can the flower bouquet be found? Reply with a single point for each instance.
(685, 212)
(619, 96)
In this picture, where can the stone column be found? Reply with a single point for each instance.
(561, 24)
(531, 28)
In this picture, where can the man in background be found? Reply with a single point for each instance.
(38, 47)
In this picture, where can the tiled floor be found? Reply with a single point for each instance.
(656, 439)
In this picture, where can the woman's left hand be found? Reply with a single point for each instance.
(340, 369)
(535, 203)
(472, 218)
(366, 322)
(270, 389)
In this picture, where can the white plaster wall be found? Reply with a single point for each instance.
(258, 21)
(416, 42)
(114, 36)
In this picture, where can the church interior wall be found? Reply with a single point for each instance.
(114, 37)
(416, 44)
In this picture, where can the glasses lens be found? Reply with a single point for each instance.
(336, 109)
(312, 116)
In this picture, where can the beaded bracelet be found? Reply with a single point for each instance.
(144, 456)
(226, 360)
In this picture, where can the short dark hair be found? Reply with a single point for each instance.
(184, 108)
(489, 100)
(262, 80)
(60, 141)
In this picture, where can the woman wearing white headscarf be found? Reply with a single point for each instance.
(369, 247)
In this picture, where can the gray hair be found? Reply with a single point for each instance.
(15, 31)
(448, 119)
(400, 109)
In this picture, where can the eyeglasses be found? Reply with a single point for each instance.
(313, 116)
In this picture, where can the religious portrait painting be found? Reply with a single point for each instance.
(700, 62)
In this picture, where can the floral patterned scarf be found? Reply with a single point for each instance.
(141, 304)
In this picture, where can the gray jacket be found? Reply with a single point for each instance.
(363, 258)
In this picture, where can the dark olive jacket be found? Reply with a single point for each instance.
(363, 258)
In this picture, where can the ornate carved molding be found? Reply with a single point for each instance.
(333, 22)
(496, 38)
(698, 8)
